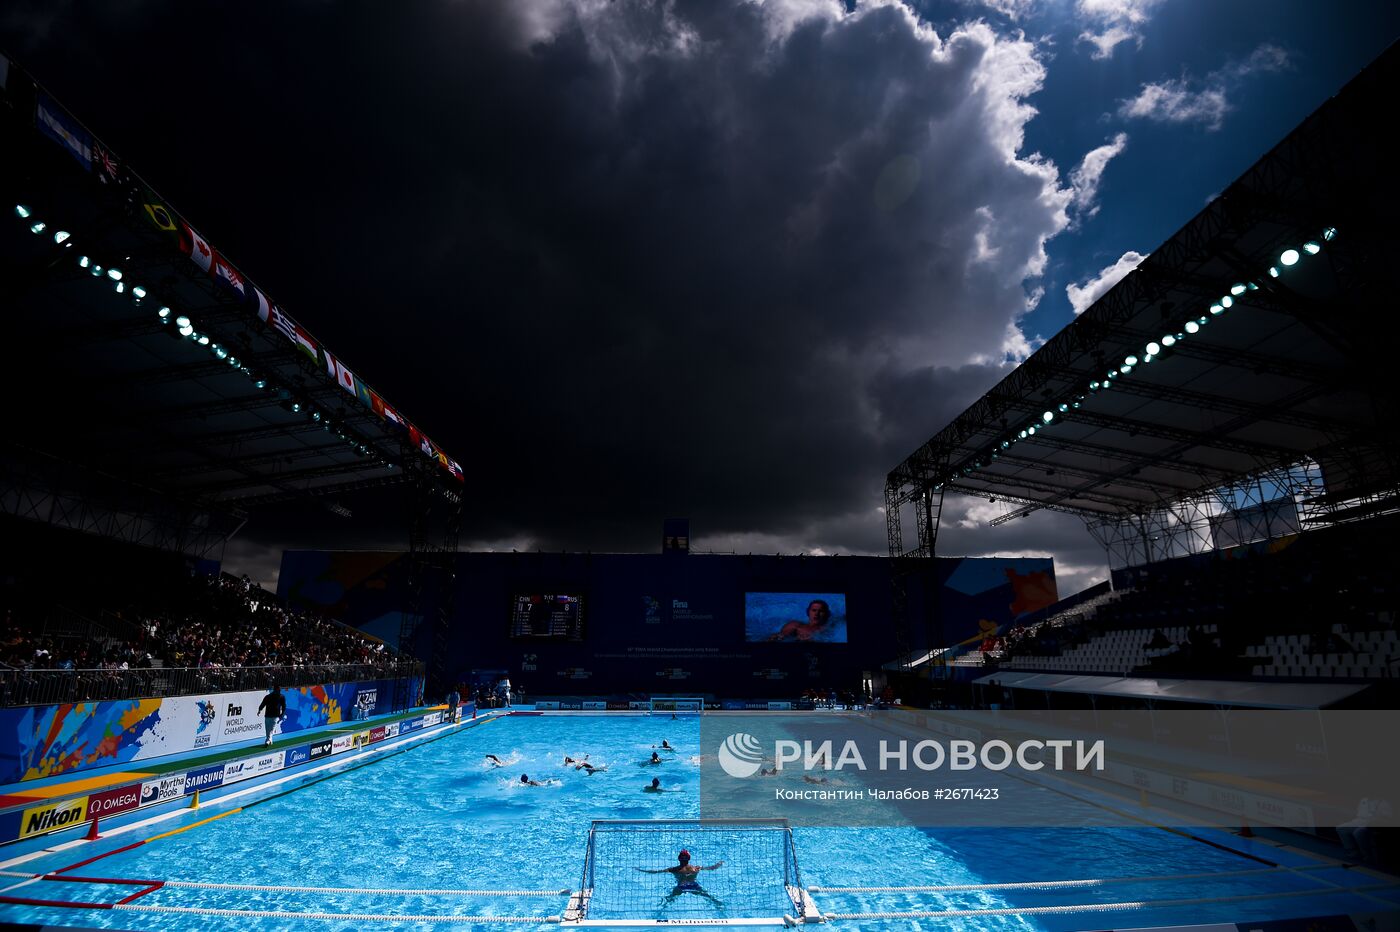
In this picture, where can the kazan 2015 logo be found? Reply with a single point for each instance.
(741, 755)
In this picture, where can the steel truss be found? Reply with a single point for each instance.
(907, 564)
(41, 487)
(1264, 506)
(435, 524)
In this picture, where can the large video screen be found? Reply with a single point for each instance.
(795, 617)
(547, 615)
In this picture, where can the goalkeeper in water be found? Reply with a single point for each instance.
(685, 874)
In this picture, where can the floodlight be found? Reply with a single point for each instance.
(62, 235)
(38, 227)
(1192, 326)
(23, 212)
(1289, 257)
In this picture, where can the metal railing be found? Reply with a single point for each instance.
(20, 687)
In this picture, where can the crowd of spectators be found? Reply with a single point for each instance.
(220, 626)
(831, 698)
(1046, 639)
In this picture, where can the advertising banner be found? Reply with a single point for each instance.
(43, 741)
(111, 802)
(52, 816)
(238, 770)
(165, 788)
(240, 719)
(205, 778)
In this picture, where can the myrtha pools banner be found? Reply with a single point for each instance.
(42, 741)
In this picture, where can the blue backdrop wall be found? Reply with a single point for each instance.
(671, 623)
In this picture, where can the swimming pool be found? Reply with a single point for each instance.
(439, 816)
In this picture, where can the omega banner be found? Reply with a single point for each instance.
(1054, 769)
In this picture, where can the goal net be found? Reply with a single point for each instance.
(626, 878)
(679, 706)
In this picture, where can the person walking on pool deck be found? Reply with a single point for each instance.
(274, 709)
(685, 874)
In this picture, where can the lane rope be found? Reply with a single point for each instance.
(1092, 907)
(203, 885)
(1058, 884)
(351, 917)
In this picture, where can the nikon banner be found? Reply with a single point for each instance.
(1053, 769)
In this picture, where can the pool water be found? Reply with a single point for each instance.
(440, 816)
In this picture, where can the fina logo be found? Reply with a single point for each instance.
(741, 755)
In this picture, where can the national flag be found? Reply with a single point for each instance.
(394, 419)
(106, 162)
(343, 376)
(289, 328)
(421, 440)
(368, 397)
(455, 468)
(161, 216)
(265, 308)
(64, 130)
(227, 275)
(194, 246)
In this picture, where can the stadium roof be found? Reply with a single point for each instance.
(1244, 342)
(139, 355)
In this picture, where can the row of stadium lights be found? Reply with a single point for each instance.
(185, 327)
(1288, 258)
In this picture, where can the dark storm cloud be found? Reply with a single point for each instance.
(624, 260)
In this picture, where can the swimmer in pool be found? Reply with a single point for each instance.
(655, 787)
(590, 769)
(666, 746)
(655, 759)
(685, 874)
(495, 761)
(525, 779)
